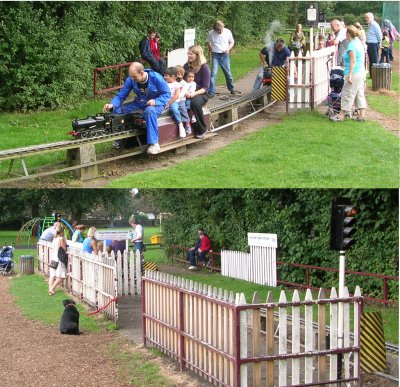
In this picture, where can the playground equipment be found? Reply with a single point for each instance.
(31, 231)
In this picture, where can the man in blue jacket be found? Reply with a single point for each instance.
(147, 54)
(152, 94)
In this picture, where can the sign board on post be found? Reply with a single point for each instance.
(262, 240)
(188, 38)
(116, 235)
(312, 15)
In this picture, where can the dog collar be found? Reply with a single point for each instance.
(69, 305)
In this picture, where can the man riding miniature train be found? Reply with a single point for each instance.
(152, 95)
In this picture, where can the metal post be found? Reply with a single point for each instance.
(342, 268)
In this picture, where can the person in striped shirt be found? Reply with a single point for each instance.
(374, 37)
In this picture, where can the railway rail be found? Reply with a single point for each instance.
(11, 155)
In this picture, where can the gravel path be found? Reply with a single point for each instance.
(34, 354)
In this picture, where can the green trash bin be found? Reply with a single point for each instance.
(381, 74)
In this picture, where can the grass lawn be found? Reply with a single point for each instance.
(305, 150)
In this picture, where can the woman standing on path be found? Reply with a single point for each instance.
(202, 76)
(354, 71)
(57, 275)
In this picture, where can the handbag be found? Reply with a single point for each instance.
(62, 256)
(53, 264)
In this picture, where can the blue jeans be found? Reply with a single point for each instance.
(372, 51)
(183, 111)
(222, 60)
(139, 246)
(174, 111)
(151, 114)
(192, 256)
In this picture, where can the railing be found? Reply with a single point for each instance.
(179, 254)
(308, 279)
(119, 82)
(218, 334)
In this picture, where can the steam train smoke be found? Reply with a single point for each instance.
(269, 39)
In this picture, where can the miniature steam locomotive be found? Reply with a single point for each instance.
(106, 123)
(109, 123)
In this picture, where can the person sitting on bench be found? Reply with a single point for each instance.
(201, 249)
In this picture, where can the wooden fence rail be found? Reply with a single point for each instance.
(218, 334)
(98, 280)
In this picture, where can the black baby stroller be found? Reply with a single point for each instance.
(6, 260)
(336, 82)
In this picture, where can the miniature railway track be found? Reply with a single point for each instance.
(21, 153)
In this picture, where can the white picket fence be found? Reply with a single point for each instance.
(310, 87)
(179, 56)
(258, 266)
(98, 280)
(231, 342)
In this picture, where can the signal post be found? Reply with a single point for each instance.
(342, 230)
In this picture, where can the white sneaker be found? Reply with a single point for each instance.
(182, 131)
(153, 149)
(192, 267)
(193, 119)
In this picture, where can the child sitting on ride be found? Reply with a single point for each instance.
(183, 109)
(189, 78)
(173, 104)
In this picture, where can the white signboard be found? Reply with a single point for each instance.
(262, 240)
(324, 25)
(311, 14)
(188, 38)
(118, 235)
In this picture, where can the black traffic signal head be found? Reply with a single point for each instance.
(342, 224)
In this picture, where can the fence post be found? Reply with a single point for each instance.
(270, 341)
(296, 338)
(321, 337)
(333, 336)
(181, 330)
(256, 340)
(357, 317)
(144, 310)
(309, 338)
(282, 339)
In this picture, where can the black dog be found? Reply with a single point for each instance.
(69, 323)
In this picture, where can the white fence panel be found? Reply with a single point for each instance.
(309, 78)
(258, 266)
(177, 57)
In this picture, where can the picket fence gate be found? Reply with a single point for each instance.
(310, 87)
(232, 343)
(98, 280)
